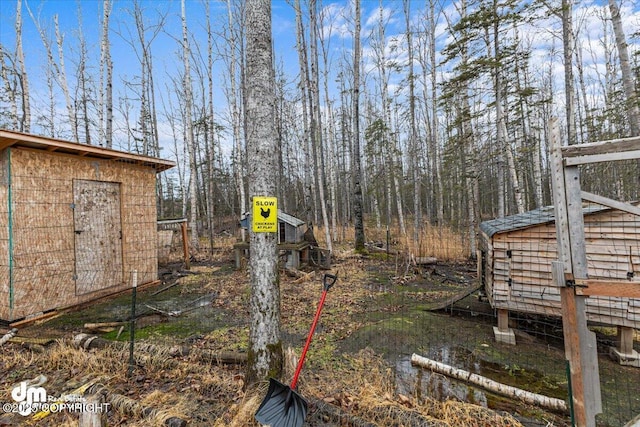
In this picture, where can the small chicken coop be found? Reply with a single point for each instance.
(75, 221)
(295, 244)
(516, 252)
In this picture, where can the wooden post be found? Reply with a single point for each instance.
(625, 339)
(97, 417)
(185, 245)
(503, 320)
(579, 342)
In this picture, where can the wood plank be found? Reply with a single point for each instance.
(602, 147)
(611, 288)
(611, 303)
(598, 158)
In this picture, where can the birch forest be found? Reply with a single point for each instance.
(404, 113)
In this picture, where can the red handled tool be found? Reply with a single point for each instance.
(283, 406)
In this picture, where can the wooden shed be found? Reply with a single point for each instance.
(75, 221)
(516, 252)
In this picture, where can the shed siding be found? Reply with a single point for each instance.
(43, 233)
(521, 277)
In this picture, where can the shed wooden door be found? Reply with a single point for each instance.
(98, 235)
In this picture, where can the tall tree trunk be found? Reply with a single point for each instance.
(238, 149)
(210, 126)
(317, 124)
(568, 44)
(10, 78)
(333, 165)
(82, 80)
(434, 151)
(587, 133)
(188, 123)
(25, 118)
(413, 131)
(633, 107)
(358, 215)
(51, 71)
(105, 100)
(304, 92)
(62, 80)
(265, 346)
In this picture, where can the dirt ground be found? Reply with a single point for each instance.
(191, 339)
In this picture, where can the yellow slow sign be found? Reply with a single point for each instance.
(265, 215)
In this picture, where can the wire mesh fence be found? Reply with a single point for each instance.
(510, 329)
(72, 230)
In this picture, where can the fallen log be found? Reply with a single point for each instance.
(101, 325)
(43, 341)
(128, 406)
(6, 337)
(491, 385)
(425, 260)
(373, 248)
(89, 342)
(36, 348)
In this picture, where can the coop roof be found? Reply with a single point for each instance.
(17, 139)
(289, 219)
(544, 215)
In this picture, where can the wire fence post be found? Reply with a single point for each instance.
(132, 325)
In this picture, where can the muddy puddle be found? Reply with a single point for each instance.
(415, 381)
(420, 382)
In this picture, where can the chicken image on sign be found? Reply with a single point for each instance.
(265, 215)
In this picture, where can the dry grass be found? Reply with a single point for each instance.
(162, 387)
(356, 385)
(443, 243)
(362, 387)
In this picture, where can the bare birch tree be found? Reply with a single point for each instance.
(568, 45)
(413, 128)
(358, 214)
(62, 81)
(301, 46)
(633, 104)
(105, 93)
(188, 129)
(83, 90)
(25, 117)
(265, 346)
(231, 59)
(316, 124)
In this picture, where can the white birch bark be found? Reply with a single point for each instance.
(188, 124)
(625, 68)
(62, 81)
(238, 150)
(358, 214)
(304, 94)
(317, 138)
(265, 346)
(25, 119)
(568, 45)
(489, 384)
(413, 131)
(434, 134)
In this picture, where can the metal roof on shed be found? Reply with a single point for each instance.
(284, 217)
(544, 215)
(289, 219)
